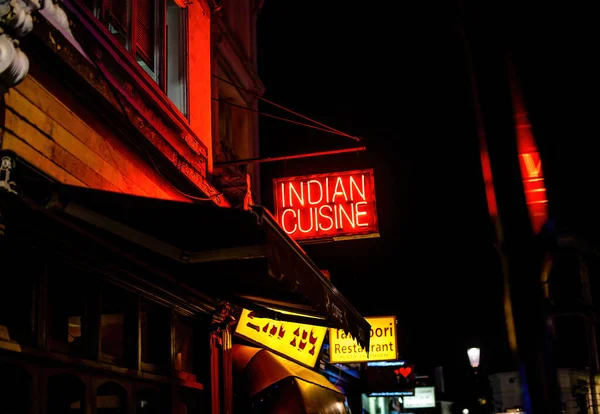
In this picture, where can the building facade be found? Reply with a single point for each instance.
(126, 251)
(575, 391)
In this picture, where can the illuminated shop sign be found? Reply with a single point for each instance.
(299, 342)
(343, 348)
(424, 398)
(337, 205)
(535, 189)
(391, 394)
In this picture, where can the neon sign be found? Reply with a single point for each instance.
(535, 189)
(530, 163)
(337, 205)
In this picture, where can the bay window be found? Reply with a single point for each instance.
(154, 32)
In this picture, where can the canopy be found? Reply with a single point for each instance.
(276, 385)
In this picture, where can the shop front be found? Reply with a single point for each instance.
(135, 299)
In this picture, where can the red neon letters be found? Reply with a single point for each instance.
(327, 205)
(535, 189)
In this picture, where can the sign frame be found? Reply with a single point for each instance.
(360, 361)
(373, 231)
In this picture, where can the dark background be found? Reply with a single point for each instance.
(394, 74)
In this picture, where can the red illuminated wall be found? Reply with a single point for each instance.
(200, 80)
(327, 205)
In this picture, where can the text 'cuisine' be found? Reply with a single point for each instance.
(326, 205)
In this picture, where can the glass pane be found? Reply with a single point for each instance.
(150, 71)
(155, 332)
(115, 303)
(74, 329)
(17, 293)
(176, 56)
(67, 293)
(146, 39)
(117, 19)
(113, 334)
(184, 345)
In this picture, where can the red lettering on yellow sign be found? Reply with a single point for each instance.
(297, 341)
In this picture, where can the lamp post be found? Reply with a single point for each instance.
(474, 355)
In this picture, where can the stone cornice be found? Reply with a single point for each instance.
(16, 21)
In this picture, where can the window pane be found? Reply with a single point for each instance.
(116, 14)
(155, 332)
(115, 304)
(68, 289)
(176, 56)
(17, 293)
(184, 344)
(146, 49)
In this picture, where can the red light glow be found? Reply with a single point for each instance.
(530, 163)
(327, 205)
(535, 190)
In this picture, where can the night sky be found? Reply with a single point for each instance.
(395, 76)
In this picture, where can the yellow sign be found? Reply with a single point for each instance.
(299, 342)
(383, 346)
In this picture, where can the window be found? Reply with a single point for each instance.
(155, 33)
(68, 292)
(156, 334)
(183, 358)
(17, 294)
(116, 324)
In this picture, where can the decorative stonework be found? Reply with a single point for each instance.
(7, 165)
(16, 21)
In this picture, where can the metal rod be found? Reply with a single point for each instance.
(288, 157)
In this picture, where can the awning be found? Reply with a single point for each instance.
(274, 384)
(233, 254)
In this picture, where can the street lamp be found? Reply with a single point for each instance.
(474, 354)
(479, 400)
